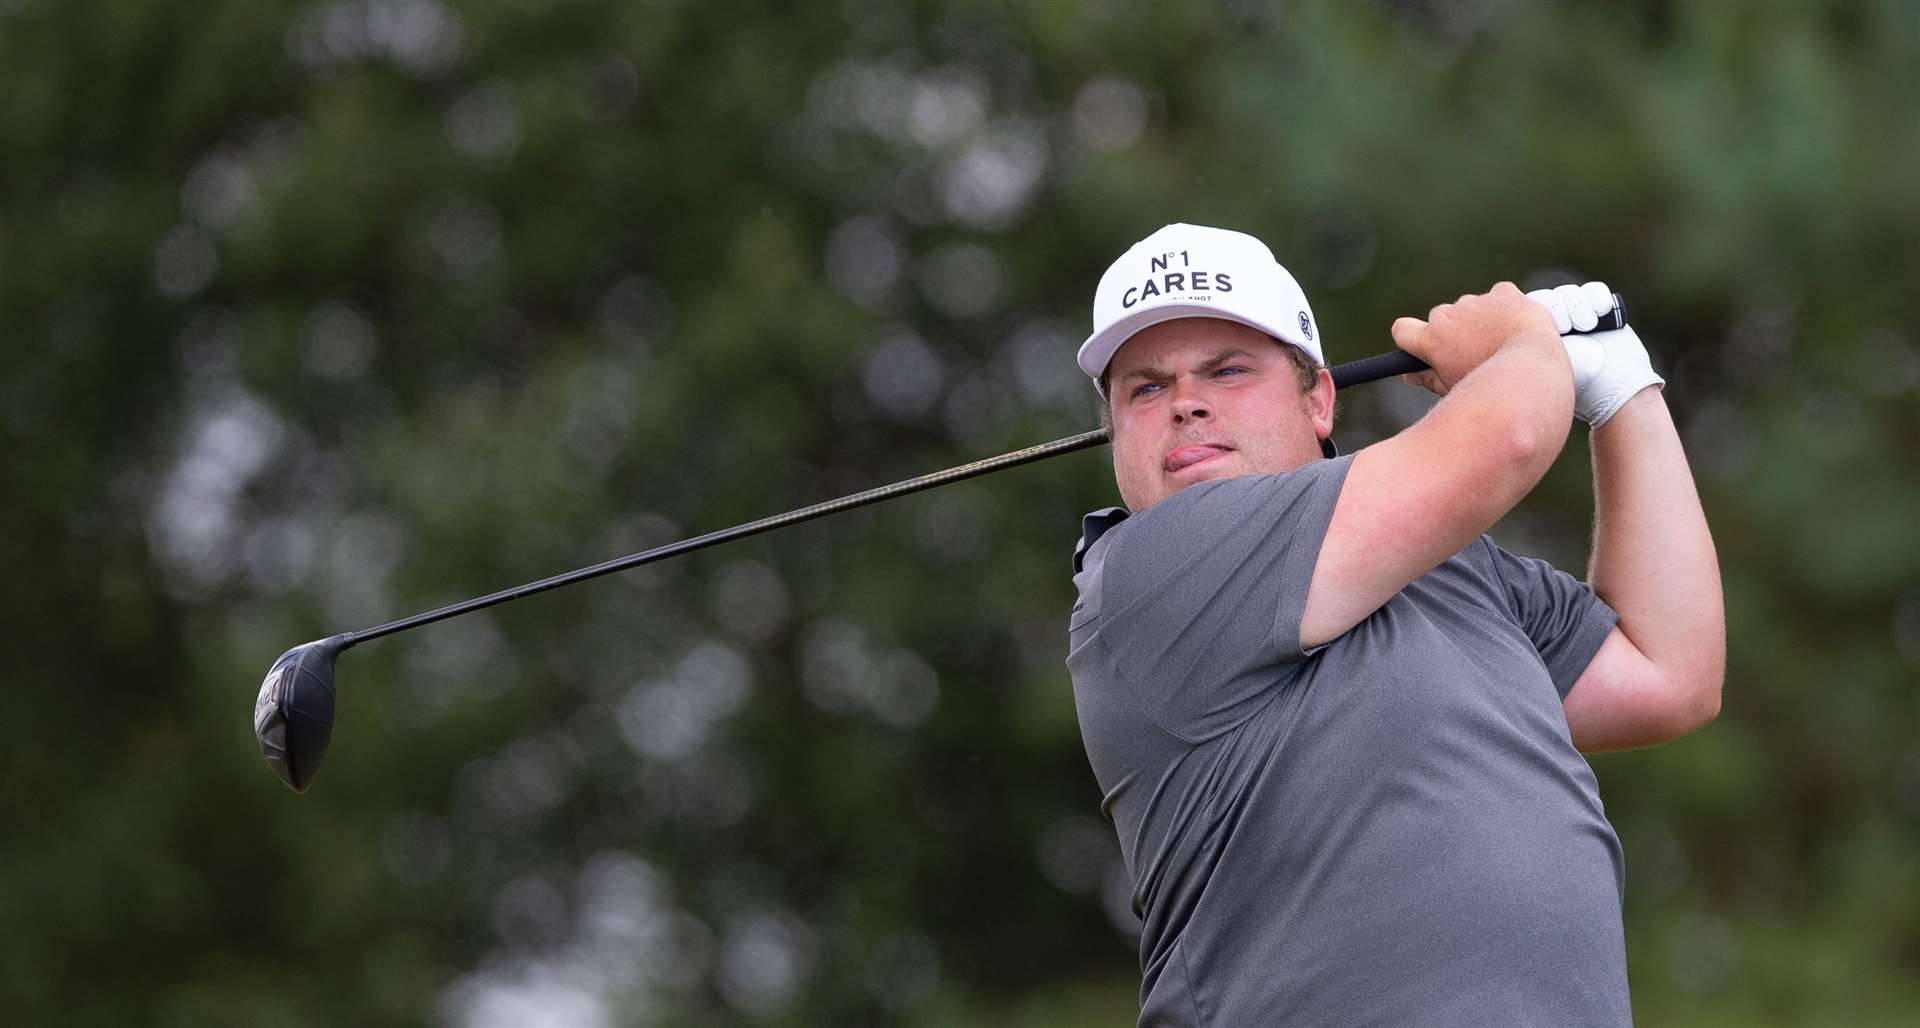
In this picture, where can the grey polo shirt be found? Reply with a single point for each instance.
(1392, 829)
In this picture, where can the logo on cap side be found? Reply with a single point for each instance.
(1306, 325)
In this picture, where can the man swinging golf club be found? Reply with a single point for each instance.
(1337, 729)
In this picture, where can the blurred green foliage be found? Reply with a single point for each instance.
(323, 313)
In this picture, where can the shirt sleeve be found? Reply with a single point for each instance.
(1203, 593)
(1565, 619)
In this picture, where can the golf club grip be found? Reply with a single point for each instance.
(1375, 368)
(1400, 362)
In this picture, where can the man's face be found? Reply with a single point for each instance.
(1202, 398)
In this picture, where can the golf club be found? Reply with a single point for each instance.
(293, 715)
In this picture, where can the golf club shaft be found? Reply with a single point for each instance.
(1369, 369)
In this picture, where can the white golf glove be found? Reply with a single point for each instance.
(1609, 368)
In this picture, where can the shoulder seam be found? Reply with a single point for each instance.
(1506, 587)
(1133, 694)
(1126, 682)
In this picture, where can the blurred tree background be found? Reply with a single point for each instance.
(322, 313)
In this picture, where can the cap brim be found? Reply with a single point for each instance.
(1100, 347)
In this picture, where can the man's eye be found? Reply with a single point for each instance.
(1141, 389)
(1231, 369)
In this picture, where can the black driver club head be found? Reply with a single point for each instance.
(293, 717)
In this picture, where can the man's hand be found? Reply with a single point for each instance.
(1609, 368)
(1458, 337)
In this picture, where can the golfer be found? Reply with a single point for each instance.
(1338, 729)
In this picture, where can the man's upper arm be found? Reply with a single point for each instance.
(1613, 695)
(1409, 502)
(1622, 700)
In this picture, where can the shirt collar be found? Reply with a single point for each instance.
(1092, 527)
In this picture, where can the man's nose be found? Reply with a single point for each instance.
(1188, 404)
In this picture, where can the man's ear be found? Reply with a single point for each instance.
(1319, 402)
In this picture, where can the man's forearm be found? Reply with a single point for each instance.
(1653, 557)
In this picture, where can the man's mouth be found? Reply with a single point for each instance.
(1188, 456)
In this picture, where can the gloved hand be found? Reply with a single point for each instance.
(1610, 367)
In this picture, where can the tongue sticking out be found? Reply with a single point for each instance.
(1187, 456)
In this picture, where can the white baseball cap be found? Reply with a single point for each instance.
(1192, 271)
